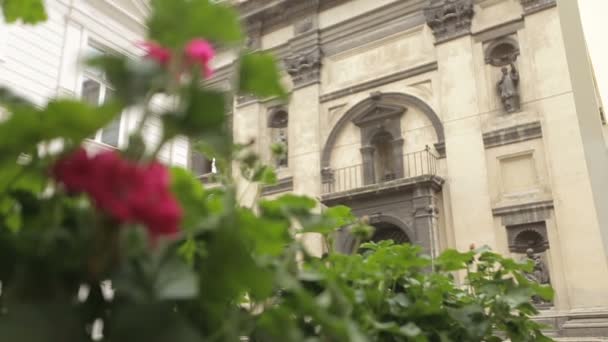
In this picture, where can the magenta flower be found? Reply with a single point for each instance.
(157, 52)
(200, 51)
(124, 190)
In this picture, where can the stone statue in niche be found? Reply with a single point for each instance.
(507, 88)
(282, 139)
(539, 274)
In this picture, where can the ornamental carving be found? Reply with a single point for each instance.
(304, 67)
(449, 18)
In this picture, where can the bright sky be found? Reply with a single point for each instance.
(595, 25)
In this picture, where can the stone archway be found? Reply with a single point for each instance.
(391, 102)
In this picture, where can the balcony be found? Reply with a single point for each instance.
(363, 179)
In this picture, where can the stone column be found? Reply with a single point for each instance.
(367, 156)
(304, 66)
(425, 219)
(467, 177)
(398, 157)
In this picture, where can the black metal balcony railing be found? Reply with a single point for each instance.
(415, 164)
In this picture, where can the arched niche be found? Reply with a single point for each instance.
(387, 227)
(502, 51)
(278, 122)
(373, 109)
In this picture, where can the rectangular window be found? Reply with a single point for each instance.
(96, 91)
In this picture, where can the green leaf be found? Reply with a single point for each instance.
(204, 115)
(259, 76)
(27, 126)
(132, 80)
(197, 19)
(452, 260)
(191, 196)
(176, 280)
(340, 214)
(28, 11)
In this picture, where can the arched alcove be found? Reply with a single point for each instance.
(376, 107)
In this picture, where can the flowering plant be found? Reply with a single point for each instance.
(187, 262)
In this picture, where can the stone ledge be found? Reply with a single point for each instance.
(524, 213)
(385, 187)
(283, 185)
(513, 134)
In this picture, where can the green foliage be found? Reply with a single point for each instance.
(232, 272)
(197, 18)
(259, 76)
(28, 11)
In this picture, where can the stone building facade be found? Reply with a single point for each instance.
(448, 123)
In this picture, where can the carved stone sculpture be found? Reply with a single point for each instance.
(507, 88)
(539, 274)
(304, 67)
(449, 18)
(282, 139)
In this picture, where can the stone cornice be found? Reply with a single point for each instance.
(274, 14)
(283, 185)
(513, 134)
(397, 76)
(533, 6)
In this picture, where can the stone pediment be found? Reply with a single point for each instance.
(378, 112)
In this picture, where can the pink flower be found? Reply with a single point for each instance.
(200, 51)
(126, 191)
(157, 52)
(73, 171)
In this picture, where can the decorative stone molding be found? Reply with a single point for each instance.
(513, 134)
(530, 235)
(245, 99)
(400, 75)
(254, 35)
(275, 14)
(533, 6)
(501, 51)
(449, 19)
(304, 67)
(283, 185)
(440, 148)
(524, 213)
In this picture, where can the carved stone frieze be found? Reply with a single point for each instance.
(532, 6)
(449, 18)
(304, 67)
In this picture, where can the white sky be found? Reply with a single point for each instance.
(595, 24)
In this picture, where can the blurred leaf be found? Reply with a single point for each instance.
(132, 80)
(204, 114)
(28, 11)
(259, 76)
(40, 321)
(191, 196)
(154, 322)
(197, 19)
(452, 260)
(176, 280)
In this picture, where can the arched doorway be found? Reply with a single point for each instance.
(389, 231)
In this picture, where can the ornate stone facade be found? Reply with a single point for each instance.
(400, 110)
